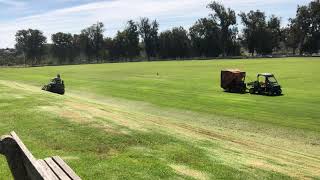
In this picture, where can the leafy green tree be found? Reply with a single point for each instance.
(305, 28)
(165, 44)
(132, 37)
(312, 43)
(174, 43)
(149, 33)
(289, 38)
(275, 30)
(109, 45)
(117, 46)
(76, 47)
(32, 44)
(125, 44)
(224, 18)
(63, 47)
(302, 24)
(92, 42)
(205, 38)
(258, 37)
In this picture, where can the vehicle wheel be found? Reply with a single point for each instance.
(45, 88)
(251, 91)
(279, 93)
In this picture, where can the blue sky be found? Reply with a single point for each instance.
(71, 16)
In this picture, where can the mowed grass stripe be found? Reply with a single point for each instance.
(129, 123)
(138, 155)
(195, 86)
(104, 116)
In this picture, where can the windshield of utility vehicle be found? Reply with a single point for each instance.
(272, 80)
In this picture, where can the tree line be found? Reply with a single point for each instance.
(214, 36)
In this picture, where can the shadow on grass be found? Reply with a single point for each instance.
(257, 94)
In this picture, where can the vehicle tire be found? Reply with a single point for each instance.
(45, 88)
(279, 93)
(252, 91)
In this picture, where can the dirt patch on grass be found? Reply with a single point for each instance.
(186, 171)
(260, 164)
(68, 113)
(21, 86)
(288, 161)
(79, 116)
(70, 158)
(113, 114)
(82, 111)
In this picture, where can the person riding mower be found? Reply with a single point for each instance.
(55, 86)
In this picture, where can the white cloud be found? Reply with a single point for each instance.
(115, 13)
(12, 2)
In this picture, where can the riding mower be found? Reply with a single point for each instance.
(55, 86)
(266, 84)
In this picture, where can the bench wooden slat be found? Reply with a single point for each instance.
(66, 168)
(24, 165)
(47, 168)
(35, 169)
(22, 146)
(56, 169)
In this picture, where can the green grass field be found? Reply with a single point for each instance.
(123, 121)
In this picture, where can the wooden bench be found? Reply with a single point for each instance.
(25, 166)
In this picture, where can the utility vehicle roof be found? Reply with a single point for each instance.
(266, 74)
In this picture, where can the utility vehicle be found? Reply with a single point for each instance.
(266, 83)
